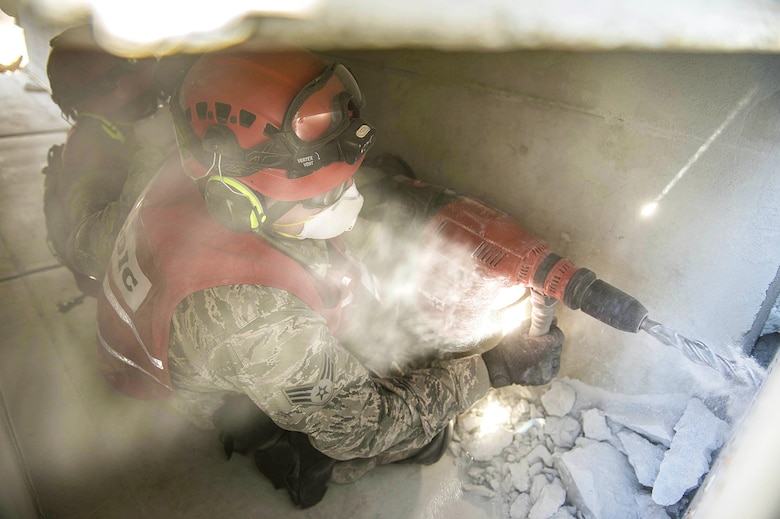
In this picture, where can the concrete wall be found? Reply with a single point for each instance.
(573, 145)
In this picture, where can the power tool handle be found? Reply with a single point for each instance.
(542, 313)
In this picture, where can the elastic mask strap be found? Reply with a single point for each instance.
(278, 210)
(287, 235)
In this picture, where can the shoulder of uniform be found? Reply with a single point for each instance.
(230, 308)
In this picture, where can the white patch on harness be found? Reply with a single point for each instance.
(126, 273)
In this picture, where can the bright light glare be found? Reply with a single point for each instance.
(145, 22)
(493, 416)
(649, 209)
(13, 49)
(526, 426)
(512, 316)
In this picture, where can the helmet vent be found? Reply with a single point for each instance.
(201, 109)
(223, 112)
(246, 119)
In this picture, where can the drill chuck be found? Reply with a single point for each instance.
(604, 302)
(580, 289)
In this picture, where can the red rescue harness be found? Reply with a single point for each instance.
(169, 248)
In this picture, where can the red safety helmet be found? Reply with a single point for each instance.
(84, 78)
(282, 123)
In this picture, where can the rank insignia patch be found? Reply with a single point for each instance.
(318, 393)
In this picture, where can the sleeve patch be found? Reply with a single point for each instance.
(318, 393)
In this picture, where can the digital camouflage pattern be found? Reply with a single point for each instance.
(97, 220)
(88, 195)
(382, 391)
(269, 345)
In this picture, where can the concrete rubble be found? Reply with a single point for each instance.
(643, 455)
(572, 450)
(600, 481)
(698, 434)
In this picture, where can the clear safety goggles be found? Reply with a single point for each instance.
(322, 110)
(321, 125)
(328, 198)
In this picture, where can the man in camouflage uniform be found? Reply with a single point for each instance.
(118, 140)
(242, 298)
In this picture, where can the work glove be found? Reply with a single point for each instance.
(524, 360)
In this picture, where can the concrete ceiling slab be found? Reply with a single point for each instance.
(151, 27)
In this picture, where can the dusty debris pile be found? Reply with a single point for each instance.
(569, 450)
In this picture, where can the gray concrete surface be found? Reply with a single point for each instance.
(571, 144)
(725, 25)
(72, 448)
(574, 144)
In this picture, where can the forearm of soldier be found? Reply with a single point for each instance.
(403, 413)
(92, 239)
(316, 386)
(98, 220)
(269, 345)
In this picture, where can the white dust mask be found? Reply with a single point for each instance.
(335, 219)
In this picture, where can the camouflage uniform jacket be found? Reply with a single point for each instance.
(90, 190)
(355, 397)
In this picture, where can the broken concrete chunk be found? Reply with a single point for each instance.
(645, 423)
(549, 443)
(559, 399)
(519, 412)
(538, 482)
(494, 480)
(594, 425)
(485, 447)
(599, 481)
(644, 456)
(551, 498)
(521, 480)
(539, 453)
(604, 451)
(652, 416)
(648, 509)
(506, 483)
(563, 431)
(566, 510)
(479, 490)
(584, 442)
(698, 433)
(520, 507)
(469, 422)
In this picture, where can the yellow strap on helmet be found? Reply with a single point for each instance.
(239, 188)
